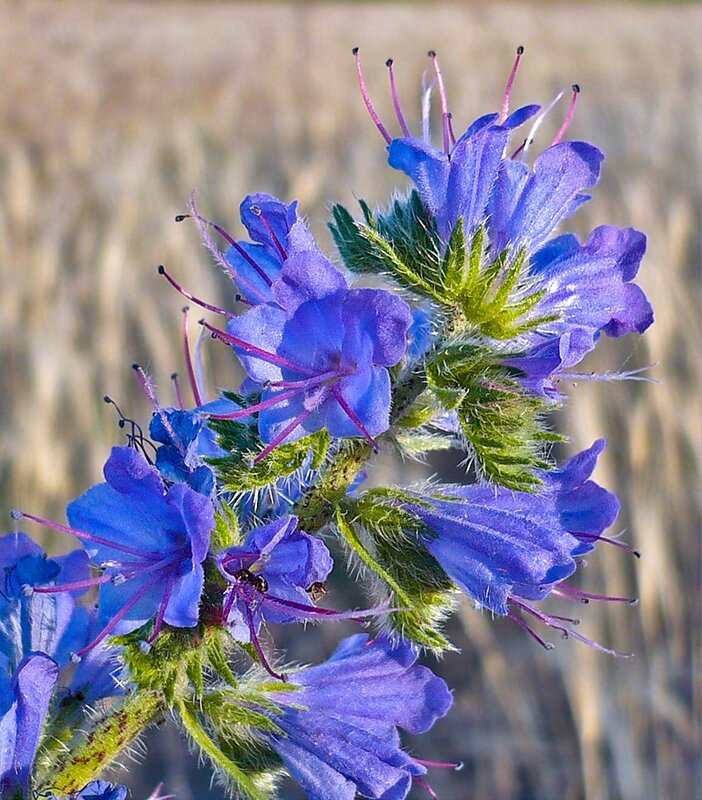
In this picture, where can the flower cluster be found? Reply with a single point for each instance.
(217, 525)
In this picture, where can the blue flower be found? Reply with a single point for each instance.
(587, 288)
(340, 733)
(320, 354)
(507, 549)
(98, 790)
(24, 702)
(147, 540)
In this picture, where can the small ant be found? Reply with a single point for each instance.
(257, 581)
(317, 591)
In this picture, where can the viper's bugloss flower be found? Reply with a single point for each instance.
(587, 288)
(148, 541)
(340, 729)
(507, 549)
(24, 702)
(320, 353)
(98, 790)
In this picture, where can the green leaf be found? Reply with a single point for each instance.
(254, 785)
(416, 582)
(239, 474)
(453, 266)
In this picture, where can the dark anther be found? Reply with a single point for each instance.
(181, 217)
(576, 88)
(432, 54)
(389, 62)
(355, 51)
(161, 269)
(520, 50)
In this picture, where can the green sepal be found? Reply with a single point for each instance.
(227, 532)
(250, 777)
(238, 473)
(386, 542)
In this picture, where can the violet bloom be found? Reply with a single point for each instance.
(99, 790)
(321, 354)
(149, 542)
(340, 733)
(24, 702)
(276, 575)
(587, 288)
(507, 549)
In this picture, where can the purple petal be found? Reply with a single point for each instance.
(382, 317)
(307, 275)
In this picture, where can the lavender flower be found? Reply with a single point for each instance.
(148, 541)
(340, 730)
(98, 790)
(320, 355)
(24, 702)
(507, 549)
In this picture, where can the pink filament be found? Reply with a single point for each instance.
(510, 84)
(257, 645)
(269, 448)
(178, 392)
(148, 387)
(396, 100)
(444, 102)
(273, 358)
(366, 99)
(569, 115)
(262, 406)
(191, 297)
(281, 250)
(189, 361)
(354, 417)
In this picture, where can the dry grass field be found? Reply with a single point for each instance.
(110, 113)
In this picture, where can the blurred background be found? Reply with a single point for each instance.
(112, 112)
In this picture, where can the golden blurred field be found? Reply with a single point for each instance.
(111, 112)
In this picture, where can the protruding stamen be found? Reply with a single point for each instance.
(452, 135)
(276, 241)
(262, 406)
(118, 617)
(160, 614)
(571, 593)
(537, 124)
(191, 297)
(510, 84)
(310, 383)
(569, 115)
(456, 766)
(257, 645)
(176, 388)
(426, 108)
(627, 548)
(273, 358)
(135, 435)
(202, 225)
(189, 361)
(366, 99)
(148, 387)
(351, 414)
(269, 448)
(421, 782)
(525, 627)
(88, 583)
(396, 100)
(444, 102)
(87, 537)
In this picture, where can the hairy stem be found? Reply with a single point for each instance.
(106, 742)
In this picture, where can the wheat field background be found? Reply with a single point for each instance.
(111, 112)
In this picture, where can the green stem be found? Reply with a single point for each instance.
(105, 742)
(318, 505)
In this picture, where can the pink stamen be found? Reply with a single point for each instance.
(189, 362)
(354, 417)
(118, 617)
(262, 406)
(202, 225)
(354, 616)
(87, 537)
(310, 383)
(149, 390)
(627, 548)
(396, 100)
(366, 99)
(421, 782)
(273, 358)
(452, 135)
(518, 150)
(525, 627)
(569, 115)
(510, 84)
(442, 96)
(441, 764)
(571, 593)
(191, 297)
(276, 241)
(269, 448)
(178, 392)
(161, 613)
(257, 645)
